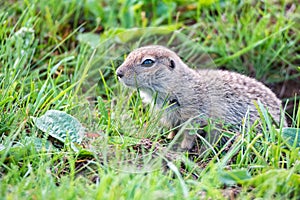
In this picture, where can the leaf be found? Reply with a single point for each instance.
(39, 144)
(128, 141)
(276, 181)
(91, 39)
(85, 152)
(123, 35)
(292, 135)
(61, 126)
(133, 33)
(24, 147)
(234, 176)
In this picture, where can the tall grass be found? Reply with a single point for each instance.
(63, 54)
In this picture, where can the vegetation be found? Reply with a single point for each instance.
(62, 55)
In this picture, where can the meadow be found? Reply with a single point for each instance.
(62, 55)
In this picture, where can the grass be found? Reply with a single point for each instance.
(63, 54)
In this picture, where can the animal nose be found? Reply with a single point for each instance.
(120, 73)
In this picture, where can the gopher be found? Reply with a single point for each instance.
(184, 94)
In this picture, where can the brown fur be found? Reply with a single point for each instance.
(198, 95)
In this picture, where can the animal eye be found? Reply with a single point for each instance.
(147, 63)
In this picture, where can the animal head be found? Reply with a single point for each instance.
(150, 68)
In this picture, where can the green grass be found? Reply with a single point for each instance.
(63, 54)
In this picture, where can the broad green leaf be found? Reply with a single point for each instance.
(91, 39)
(85, 152)
(129, 34)
(292, 135)
(39, 144)
(128, 141)
(124, 35)
(234, 176)
(277, 180)
(61, 126)
(22, 148)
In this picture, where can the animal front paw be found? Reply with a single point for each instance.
(187, 143)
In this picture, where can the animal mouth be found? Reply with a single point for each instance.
(125, 83)
(129, 84)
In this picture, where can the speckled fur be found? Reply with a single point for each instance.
(211, 94)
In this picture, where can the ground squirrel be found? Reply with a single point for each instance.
(162, 77)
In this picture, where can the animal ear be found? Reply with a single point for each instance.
(172, 64)
(174, 102)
